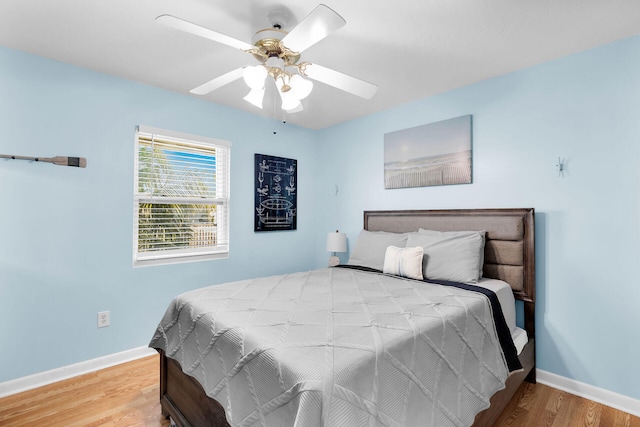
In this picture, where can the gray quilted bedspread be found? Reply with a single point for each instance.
(337, 347)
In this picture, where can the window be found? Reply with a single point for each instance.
(181, 197)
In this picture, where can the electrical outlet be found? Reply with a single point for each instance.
(104, 319)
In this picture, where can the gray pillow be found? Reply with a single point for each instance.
(371, 247)
(456, 256)
(483, 234)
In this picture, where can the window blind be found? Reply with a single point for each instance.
(182, 197)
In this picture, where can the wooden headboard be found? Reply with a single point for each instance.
(509, 249)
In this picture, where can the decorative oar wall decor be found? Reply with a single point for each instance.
(79, 162)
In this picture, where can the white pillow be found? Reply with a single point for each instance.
(371, 246)
(454, 256)
(404, 262)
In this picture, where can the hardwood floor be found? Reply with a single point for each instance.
(127, 395)
(123, 395)
(541, 405)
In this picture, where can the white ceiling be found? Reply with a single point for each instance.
(409, 48)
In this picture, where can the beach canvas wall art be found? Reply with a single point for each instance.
(433, 154)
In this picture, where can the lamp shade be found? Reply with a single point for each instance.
(289, 102)
(300, 87)
(254, 76)
(336, 242)
(256, 96)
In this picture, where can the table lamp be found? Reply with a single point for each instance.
(336, 242)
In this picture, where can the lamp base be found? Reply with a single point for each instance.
(333, 261)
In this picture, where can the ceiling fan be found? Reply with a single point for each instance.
(278, 53)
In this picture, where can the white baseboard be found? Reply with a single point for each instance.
(18, 385)
(605, 397)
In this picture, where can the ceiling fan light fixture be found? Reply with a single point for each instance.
(289, 103)
(255, 97)
(275, 62)
(300, 87)
(254, 76)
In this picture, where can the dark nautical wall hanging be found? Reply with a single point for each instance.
(276, 201)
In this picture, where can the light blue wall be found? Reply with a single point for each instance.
(58, 268)
(66, 239)
(585, 109)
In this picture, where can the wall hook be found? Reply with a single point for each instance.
(560, 167)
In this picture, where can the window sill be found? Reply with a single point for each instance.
(178, 259)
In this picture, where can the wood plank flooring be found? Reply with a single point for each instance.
(127, 395)
(123, 395)
(541, 405)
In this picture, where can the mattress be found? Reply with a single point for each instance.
(520, 339)
(338, 347)
(508, 303)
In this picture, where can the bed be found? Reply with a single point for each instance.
(508, 256)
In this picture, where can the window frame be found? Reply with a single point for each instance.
(190, 254)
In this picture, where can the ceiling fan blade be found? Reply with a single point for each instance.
(339, 80)
(314, 27)
(181, 24)
(218, 82)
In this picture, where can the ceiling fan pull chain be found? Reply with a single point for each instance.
(275, 111)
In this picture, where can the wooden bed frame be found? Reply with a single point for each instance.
(509, 256)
